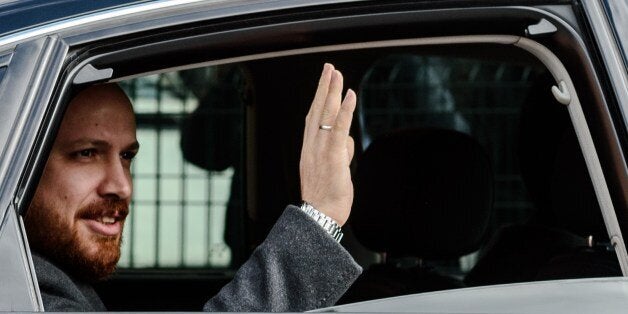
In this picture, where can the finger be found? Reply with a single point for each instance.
(350, 149)
(341, 128)
(312, 119)
(333, 100)
(314, 114)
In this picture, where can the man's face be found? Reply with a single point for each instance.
(78, 211)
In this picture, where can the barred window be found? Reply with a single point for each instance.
(187, 175)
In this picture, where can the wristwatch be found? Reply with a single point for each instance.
(328, 224)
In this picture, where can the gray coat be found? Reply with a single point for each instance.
(298, 267)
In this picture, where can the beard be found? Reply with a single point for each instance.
(56, 238)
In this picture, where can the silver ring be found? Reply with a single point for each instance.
(325, 127)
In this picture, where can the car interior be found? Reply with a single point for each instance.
(467, 170)
(466, 175)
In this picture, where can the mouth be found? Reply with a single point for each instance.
(106, 224)
(105, 219)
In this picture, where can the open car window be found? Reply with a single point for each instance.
(465, 170)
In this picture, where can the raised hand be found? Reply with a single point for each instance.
(328, 149)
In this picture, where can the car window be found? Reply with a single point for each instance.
(505, 106)
(467, 171)
(188, 174)
(464, 173)
(2, 71)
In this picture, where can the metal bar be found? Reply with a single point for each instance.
(209, 209)
(182, 201)
(133, 95)
(158, 90)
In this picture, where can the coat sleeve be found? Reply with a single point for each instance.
(298, 267)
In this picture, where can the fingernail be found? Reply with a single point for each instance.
(333, 74)
(327, 66)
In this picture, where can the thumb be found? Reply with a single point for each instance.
(350, 148)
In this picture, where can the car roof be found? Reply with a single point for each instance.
(18, 15)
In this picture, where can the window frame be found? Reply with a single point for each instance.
(605, 47)
(32, 70)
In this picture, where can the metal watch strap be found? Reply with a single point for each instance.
(326, 222)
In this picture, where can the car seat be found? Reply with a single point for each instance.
(559, 240)
(419, 193)
(575, 204)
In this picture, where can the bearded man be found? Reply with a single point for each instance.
(75, 220)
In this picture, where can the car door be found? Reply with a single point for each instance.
(606, 22)
(29, 72)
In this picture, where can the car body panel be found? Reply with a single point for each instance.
(617, 14)
(149, 15)
(34, 67)
(561, 296)
(18, 287)
(611, 52)
(19, 15)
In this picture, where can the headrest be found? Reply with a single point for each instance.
(423, 192)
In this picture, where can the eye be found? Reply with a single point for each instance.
(128, 155)
(85, 153)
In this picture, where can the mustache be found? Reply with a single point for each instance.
(118, 209)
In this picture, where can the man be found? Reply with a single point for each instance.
(75, 220)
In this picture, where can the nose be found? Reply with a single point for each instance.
(116, 182)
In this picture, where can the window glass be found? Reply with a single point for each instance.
(187, 175)
(2, 71)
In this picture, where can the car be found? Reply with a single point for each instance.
(491, 136)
